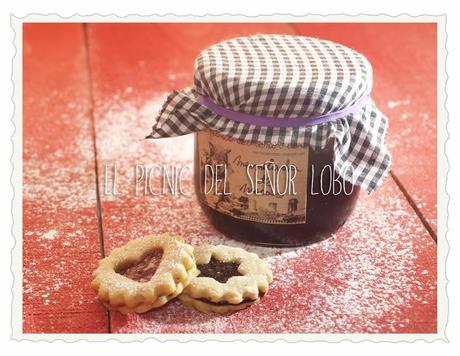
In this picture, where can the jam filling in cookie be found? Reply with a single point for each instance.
(144, 273)
(143, 270)
(220, 271)
(229, 279)
(224, 302)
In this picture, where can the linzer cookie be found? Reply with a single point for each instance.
(229, 279)
(145, 273)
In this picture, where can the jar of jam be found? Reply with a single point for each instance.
(286, 136)
(319, 204)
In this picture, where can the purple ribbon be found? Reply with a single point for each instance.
(282, 122)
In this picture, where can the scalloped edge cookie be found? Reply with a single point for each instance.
(238, 292)
(175, 271)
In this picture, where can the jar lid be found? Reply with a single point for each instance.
(318, 91)
(282, 76)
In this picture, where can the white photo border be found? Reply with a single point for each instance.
(442, 171)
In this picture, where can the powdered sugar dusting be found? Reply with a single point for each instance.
(395, 103)
(377, 274)
(50, 235)
(366, 278)
(60, 233)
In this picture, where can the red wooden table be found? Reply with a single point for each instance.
(90, 95)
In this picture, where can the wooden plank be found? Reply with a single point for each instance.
(405, 88)
(378, 274)
(60, 238)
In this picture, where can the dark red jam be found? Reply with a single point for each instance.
(330, 201)
(220, 271)
(143, 270)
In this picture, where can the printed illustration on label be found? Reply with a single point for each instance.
(262, 183)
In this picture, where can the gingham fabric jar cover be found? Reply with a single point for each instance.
(291, 80)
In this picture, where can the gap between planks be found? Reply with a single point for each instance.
(398, 182)
(96, 166)
(414, 206)
(99, 210)
(85, 27)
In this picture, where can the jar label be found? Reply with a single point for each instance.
(252, 181)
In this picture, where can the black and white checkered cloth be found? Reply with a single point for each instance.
(286, 77)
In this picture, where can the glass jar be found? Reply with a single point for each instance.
(329, 202)
(278, 121)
